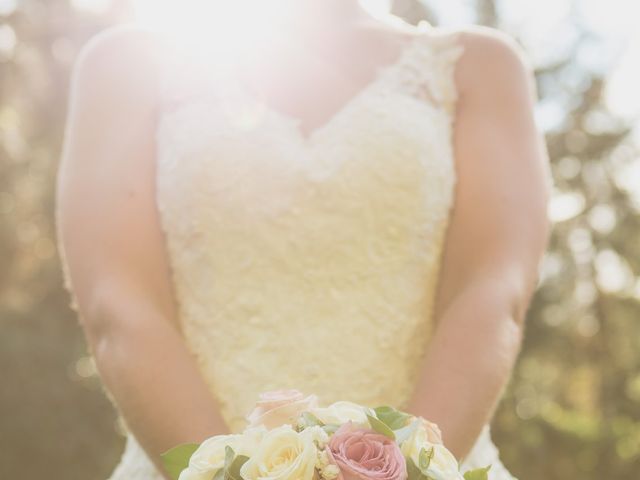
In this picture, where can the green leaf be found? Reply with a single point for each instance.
(404, 433)
(393, 418)
(229, 455)
(381, 427)
(177, 459)
(219, 475)
(414, 472)
(424, 459)
(311, 420)
(330, 428)
(232, 465)
(478, 474)
(233, 472)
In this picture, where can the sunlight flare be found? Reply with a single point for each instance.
(220, 27)
(224, 27)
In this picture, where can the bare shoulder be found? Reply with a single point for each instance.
(119, 63)
(493, 61)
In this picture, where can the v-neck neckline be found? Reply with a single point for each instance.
(308, 135)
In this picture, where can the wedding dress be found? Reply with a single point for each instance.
(310, 261)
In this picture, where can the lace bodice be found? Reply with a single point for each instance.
(310, 263)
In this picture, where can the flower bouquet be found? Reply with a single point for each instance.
(290, 437)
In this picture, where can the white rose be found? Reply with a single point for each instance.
(328, 470)
(209, 457)
(188, 474)
(420, 437)
(251, 438)
(341, 412)
(285, 454)
(443, 464)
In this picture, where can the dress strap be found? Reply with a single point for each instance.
(431, 72)
(446, 50)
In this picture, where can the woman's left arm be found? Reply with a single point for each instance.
(497, 235)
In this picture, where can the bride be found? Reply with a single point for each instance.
(356, 209)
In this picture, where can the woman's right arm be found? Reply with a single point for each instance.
(110, 235)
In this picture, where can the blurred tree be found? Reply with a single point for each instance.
(412, 11)
(573, 406)
(55, 421)
(572, 409)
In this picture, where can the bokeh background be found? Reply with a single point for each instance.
(572, 409)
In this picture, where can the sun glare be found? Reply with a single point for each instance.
(224, 27)
(228, 28)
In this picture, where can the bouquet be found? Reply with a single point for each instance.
(290, 437)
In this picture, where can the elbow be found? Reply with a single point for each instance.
(105, 324)
(511, 293)
(116, 323)
(508, 291)
(515, 303)
(103, 313)
(521, 294)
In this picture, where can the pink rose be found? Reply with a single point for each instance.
(277, 407)
(363, 454)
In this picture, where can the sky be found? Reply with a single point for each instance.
(545, 28)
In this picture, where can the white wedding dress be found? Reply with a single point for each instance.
(310, 262)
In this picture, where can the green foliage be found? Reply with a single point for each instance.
(414, 473)
(391, 422)
(478, 474)
(232, 465)
(381, 427)
(330, 428)
(311, 420)
(308, 419)
(405, 432)
(176, 459)
(394, 419)
(424, 459)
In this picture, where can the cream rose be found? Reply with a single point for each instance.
(278, 407)
(285, 454)
(341, 412)
(443, 464)
(251, 438)
(427, 431)
(209, 457)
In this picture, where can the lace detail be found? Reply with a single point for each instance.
(135, 464)
(428, 72)
(308, 263)
(485, 453)
(327, 252)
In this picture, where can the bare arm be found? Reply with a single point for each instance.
(110, 233)
(496, 238)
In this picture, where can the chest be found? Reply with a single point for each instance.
(311, 86)
(249, 168)
(227, 157)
